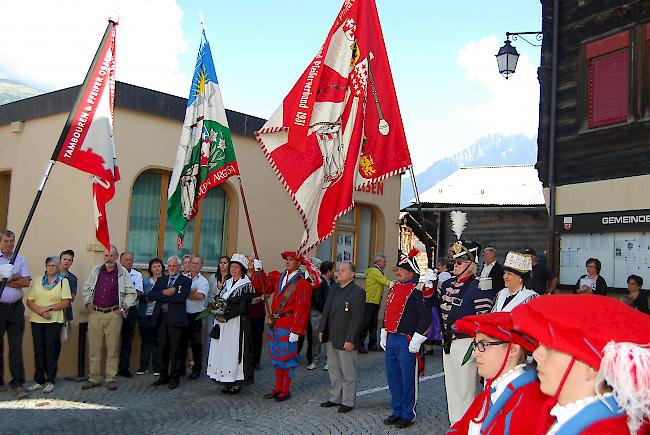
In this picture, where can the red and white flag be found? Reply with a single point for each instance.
(86, 142)
(340, 127)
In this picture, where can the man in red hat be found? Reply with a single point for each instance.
(593, 359)
(290, 312)
(500, 358)
(406, 320)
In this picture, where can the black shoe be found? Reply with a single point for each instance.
(235, 390)
(273, 394)
(226, 389)
(344, 408)
(329, 404)
(282, 397)
(193, 376)
(258, 367)
(402, 424)
(391, 420)
(125, 374)
(160, 381)
(363, 350)
(173, 384)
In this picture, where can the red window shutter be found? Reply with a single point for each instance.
(608, 88)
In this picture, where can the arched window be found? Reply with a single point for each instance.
(354, 238)
(150, 235)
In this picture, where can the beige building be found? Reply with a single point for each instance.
(147, 129)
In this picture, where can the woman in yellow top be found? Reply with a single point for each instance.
(49, 296)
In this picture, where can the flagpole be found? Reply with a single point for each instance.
(55, 154)
(421, 224)
(267, 309)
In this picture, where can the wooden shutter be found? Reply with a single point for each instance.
(608, 61)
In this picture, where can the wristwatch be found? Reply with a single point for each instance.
(50, 308)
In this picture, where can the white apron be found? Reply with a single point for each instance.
(224, 352)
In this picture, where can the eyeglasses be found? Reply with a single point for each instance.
(461, 262)
(482, 345)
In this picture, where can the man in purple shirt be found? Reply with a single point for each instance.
(12, 314)
(108, 291)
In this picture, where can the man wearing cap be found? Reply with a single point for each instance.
(460, 297)
(289, 316)
(406, 320)
(500, 357)
(593, 359)
(516, 270)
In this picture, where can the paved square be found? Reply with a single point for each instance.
(199, 407)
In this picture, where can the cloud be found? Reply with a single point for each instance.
(53, 42)
(501, 106)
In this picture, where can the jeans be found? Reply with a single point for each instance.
(12, 321)
(148, 344)
(47, 347)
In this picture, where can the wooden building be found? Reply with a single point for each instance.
(594, 139)
(504, 205)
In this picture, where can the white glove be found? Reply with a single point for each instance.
(430, 276)
(383, 336)
(416, 342)
(257, 264)
(6, 271)
(293, 337)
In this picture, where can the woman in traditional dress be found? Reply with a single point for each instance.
(230, 361)
(593, 359)
(516, 270)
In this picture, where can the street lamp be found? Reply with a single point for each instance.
(507, 56)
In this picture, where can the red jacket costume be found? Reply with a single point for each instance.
(294, 315)
(519, 415)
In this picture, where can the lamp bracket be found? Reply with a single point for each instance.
(516, 35)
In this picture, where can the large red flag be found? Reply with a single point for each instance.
(88, 134)
(340, 127)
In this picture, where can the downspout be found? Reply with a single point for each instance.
(552, 262)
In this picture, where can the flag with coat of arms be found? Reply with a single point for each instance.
(206, 154)
(339, 129)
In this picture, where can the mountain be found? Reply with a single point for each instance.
(11, 90)
(493, 150)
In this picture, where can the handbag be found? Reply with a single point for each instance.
(215, 332)
(66, 331)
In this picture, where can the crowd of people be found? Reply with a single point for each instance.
(487, 320)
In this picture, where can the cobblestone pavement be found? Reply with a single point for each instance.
(199, 407)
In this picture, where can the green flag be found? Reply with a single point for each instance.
(206, 155)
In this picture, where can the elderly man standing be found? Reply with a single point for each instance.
(170, 293)
(131, 320)
(492, 269)
(12, 312)
(196, 303)
(107, 293)
(375, 283)
(339, 327)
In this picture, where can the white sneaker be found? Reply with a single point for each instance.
(325, 368)
(312, 366)
(35, 387)
(48, 388)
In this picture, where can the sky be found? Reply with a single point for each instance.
(441, 54)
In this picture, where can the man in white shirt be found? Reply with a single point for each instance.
(131, 319)
(492, 268)
(196, 303)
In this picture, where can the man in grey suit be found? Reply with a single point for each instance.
(339, 328)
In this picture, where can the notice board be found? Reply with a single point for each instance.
(621, 254)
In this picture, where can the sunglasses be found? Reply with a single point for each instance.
(461, 262)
